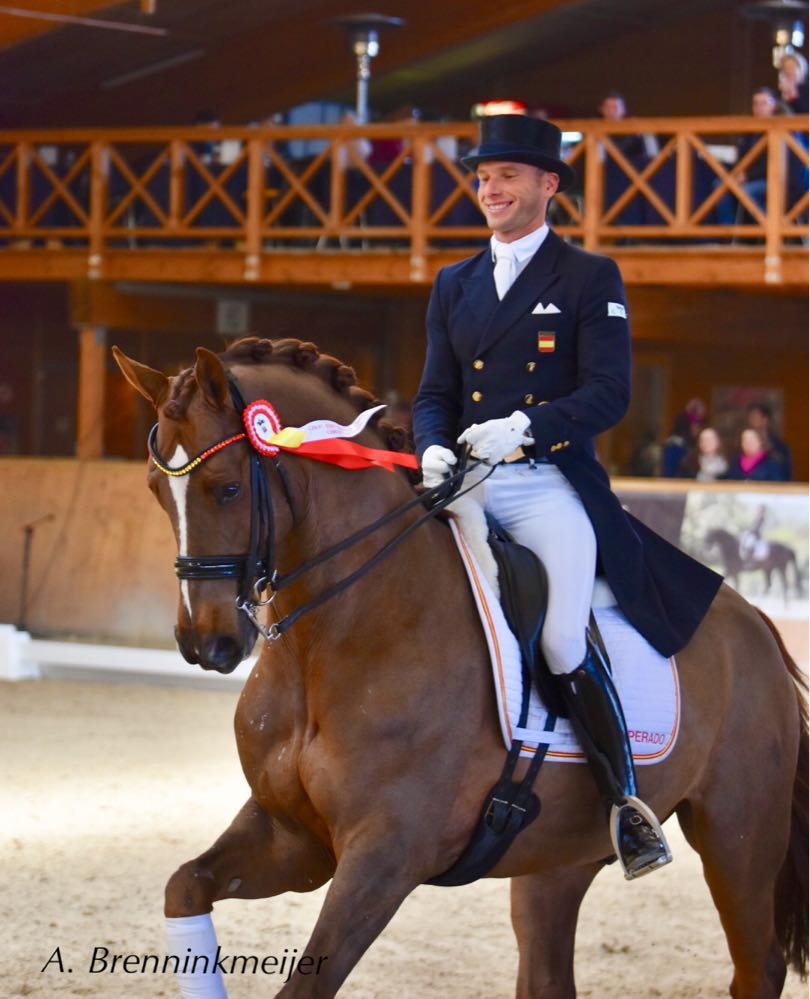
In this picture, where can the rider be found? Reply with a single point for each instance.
(526, 362)
(752, 545)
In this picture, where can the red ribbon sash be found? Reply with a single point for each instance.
(347, 454)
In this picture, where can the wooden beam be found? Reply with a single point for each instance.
(92, 375)
(98, 303)
(718, 266)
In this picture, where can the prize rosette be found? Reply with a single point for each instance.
(262, 423)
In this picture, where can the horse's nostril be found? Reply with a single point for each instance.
(221, 653)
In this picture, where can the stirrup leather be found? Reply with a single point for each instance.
(658, 857)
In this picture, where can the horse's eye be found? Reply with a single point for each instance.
(228, 492)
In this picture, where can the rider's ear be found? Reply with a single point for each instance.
(211, 378)
(153, 385)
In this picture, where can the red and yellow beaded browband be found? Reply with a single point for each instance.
(266, 435)
(189, 465)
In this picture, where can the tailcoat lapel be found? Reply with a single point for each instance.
(534, 280)
(480, 296)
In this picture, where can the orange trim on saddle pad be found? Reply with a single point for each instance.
(647, 682)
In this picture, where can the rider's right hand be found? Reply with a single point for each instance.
(437, 462)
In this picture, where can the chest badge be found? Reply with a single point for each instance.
(546, 343)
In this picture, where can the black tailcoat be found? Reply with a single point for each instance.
(567, 366)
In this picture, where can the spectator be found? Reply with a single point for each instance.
(793, 82)
(352, 150)
(385, 151)
(755, 463)
(645, 461)
(707, 461)
(753, 179)
(685, 428)
(676, 447)
(209, 150)
(638, 150)
(793, 85)
(760, 417)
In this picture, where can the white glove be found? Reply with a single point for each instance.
(437, 462)
(497, 439)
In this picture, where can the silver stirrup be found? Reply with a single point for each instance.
(650, 818)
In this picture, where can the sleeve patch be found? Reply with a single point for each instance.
(617, 309)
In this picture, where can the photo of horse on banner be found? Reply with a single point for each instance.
(368, 732)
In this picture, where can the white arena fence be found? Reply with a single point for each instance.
(25, 658)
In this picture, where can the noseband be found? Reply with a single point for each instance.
(256, 570)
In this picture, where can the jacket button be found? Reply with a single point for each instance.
(477, 396)
(531, 365)
(478, 364)
(528, 399)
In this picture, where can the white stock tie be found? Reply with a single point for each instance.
(505, 268)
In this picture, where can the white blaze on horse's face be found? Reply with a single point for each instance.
(178, 484)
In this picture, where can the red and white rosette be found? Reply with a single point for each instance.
(262, 423)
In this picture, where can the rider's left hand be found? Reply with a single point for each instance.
(497, 439)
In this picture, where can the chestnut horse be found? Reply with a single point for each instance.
(368, 734)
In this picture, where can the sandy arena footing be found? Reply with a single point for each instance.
(109, 787)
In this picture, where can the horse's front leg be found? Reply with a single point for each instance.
(372, 879)
(256, 857)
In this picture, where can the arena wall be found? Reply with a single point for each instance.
(101, 565)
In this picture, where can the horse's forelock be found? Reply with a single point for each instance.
(182, 389)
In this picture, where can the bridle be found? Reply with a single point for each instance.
(252, 569)
(256, 570)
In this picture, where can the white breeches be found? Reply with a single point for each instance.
(542, 511)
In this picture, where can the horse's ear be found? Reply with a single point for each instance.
(211, 378)
(153, 385)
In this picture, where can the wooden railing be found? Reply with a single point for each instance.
(255, 192)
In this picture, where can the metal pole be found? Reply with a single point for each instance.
(28, 536)
(363, 76)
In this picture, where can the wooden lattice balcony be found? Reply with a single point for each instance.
(299, 206)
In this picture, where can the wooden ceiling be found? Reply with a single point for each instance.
(28, 19)
(248, 59)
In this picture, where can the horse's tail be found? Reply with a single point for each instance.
(791, 915)
(797, 573)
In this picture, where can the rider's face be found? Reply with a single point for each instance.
(514, 197)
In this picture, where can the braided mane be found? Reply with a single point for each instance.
(340, 377)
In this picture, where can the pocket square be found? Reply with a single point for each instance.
(545, 310)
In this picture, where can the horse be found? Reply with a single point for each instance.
(778, 559)
(367, 729)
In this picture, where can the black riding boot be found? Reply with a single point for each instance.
(598, 721)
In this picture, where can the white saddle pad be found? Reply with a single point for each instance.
(647, 682)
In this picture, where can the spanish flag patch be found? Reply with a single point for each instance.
(546, 343)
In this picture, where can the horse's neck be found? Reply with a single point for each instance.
(331, 511)
(415, 596)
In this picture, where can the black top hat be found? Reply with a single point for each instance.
(515, 138)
